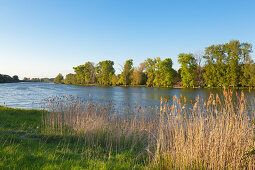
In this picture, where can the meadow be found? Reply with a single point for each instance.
(213, 133)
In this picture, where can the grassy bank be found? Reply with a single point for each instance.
(211, 134)
(23, 146)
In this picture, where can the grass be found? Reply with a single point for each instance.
(23, 146)
(215, 133)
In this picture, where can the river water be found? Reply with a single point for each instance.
(32, 95)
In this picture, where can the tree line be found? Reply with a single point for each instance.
(46, 80)
(8, 79)
(221, 65)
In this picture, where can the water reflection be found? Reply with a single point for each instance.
(31, 95)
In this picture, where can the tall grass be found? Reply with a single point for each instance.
(215, 133)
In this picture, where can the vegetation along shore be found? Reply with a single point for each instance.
(222, 65)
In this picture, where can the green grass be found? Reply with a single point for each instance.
(23, 146)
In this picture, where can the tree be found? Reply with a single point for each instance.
(248, 67)
(233, 50)
(6, 79)
(164, 73)
(26, 79)
(89, 73)
(15, 78)
(79, 70)
(126, 73)
(59, 79)
(228, 64)
(138, 76)
(70, 79)
(104, 72)
(199, 80)
(150, 70)
(188, 68)
(115, 80)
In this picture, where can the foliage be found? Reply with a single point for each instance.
(8, 79)
(138, 76)
(46, 80)
(115, 80)
(70, 79)
(164, 73)
(59, 79)
(229, 65)
(188, 68)
(85, 74)
(220, 65)
(104, 72)
(150, 70)
(125, 77)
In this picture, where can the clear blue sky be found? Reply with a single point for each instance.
(41, 38)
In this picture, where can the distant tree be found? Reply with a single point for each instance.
(125, 77)
(214, 70)
(104, 72)
(228, 64)
(35, 80)
(165, 73)
(70, 79)
(138, 76)
(26, 79)
(199, 80)
(150, 70)
(177, 77)
(15, 78)
(59, 79)
(47, 80)
(2, 78)
(188, 68)
(89, 73)
(80, 75)
(233, 51)
(115, 80)
(248, 67)
(6, 79)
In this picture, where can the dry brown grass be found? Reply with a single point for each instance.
(211, 134)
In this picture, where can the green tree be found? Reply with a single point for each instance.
(85, 74)
(104, 72)
(188, 68)
(70, 79)
(151, 65)
(233, 51)
(126, 73)
(164, 73)
(228, 64)
(89, 73)
(80, 75)
(59, 79)
(248, 67)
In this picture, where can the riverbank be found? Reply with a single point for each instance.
(72, 134)
(173, 87)
(24, 146)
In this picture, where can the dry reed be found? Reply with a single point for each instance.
(211, 134)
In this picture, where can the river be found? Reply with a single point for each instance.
(29, 95)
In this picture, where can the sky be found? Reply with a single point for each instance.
(41, 38)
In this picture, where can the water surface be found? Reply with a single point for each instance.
(31, 95)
